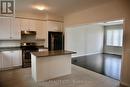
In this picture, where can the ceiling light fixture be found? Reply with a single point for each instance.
(117, 21)
(112, 22)
(39, 8)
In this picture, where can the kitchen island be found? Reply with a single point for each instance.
(46, 65)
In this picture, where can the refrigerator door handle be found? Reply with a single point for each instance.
(52, 42)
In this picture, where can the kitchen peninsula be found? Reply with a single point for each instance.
(50, 64)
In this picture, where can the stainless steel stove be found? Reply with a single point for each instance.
(27, 48)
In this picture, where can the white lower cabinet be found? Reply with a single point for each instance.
(17, 58)
(10, 59)
(7, 59)
(1, 61)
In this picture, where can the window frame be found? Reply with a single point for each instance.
(105, 37)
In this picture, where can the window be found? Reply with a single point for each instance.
(114, 37)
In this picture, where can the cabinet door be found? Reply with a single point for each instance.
(16, 30)
(31, 24)
(17, 58)
(59, 26)
(1, 61)
(5, 25)
(24, 24)
(7, 59)
(41, 29)
(28, 24)
(54, 26)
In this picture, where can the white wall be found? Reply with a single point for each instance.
(75, 40)
(85, 40)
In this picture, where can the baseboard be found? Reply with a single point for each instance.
(112, 53)
(123, 84)
(93, 53)
(86, 54)
(10, 68)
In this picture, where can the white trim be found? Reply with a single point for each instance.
(125, 84)
(74, 55)
(113, 53)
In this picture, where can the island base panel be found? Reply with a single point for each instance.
(45, 68)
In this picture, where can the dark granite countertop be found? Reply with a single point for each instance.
(18, 48)
(52, 53)
(9, 48)
(41, 47)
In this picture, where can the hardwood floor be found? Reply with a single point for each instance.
(106, 64)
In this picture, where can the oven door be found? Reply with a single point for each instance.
(26, 58)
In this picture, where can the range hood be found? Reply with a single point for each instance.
(28, 32)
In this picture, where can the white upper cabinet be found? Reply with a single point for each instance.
(24, 24)
(40, 29)
(10, 28)
(28, 24)
(31, 24)
(34, 25)
(54, 26)
(5, 28)
(16, 30)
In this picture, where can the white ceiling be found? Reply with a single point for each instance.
(60, 7)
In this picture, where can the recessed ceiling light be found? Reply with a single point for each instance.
(117, 21)
(38, 7)
(112, 22)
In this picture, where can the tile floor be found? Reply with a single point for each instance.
(80, 77)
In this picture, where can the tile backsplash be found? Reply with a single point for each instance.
(10, 43)
(16, 43)
(28, 38)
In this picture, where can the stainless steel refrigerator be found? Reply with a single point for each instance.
(55, 41)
